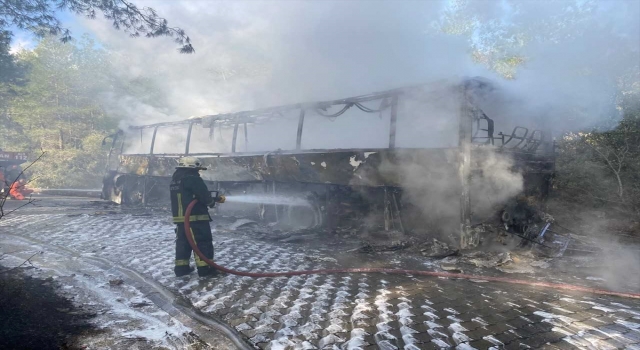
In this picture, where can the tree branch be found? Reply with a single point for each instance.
(24, 262)
(39, 17)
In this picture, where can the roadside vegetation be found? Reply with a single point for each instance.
(63, 99)
(62, 96)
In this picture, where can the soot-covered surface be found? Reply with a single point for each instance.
(34, 316)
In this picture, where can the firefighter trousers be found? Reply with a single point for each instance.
(201, 233)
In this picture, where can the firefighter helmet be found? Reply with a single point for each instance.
(191, 163)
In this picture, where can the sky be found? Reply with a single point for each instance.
(23, 39)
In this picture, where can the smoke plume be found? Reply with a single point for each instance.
(257, 54)
(574, 60)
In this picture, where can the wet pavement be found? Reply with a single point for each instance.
(349, 311)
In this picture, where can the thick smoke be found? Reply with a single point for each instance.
(578, 57)
(258, 54)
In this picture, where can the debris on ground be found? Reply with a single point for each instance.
(297, 238)
(482, 259)
(437, 249)
(377, 248)
(385, 241)
(451, 268)
(546, 217)
(540, 263)
(242, 223)
(521, 212)
(116, 282)
(316, 258)
(508, 262)
(107, 212)
(138, 302)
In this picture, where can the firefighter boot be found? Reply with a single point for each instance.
(208, 271)
(183, 270)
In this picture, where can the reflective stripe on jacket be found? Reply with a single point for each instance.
(187, 185)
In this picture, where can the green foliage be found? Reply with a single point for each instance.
(71, 168)
(65, 109)
(501, 36)
(7, 61)
(11, 72)
(603, 167)
(39, 17)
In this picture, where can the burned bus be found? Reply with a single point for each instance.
(426, 159)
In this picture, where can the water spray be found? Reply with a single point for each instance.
(268, 199)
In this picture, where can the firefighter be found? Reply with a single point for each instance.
(187, 185)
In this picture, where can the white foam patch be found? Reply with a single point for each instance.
(154, 329)
(432, 325)
(386, 345)
(604, 308)
(454, 319)
(441, 343)
(620, 305)
(335, 328)
(456, 327)
(436, 334)
(242, 327)
(491, 339)
(328, 340)
(480, 321)
(451, 311)
(550, 316)
(404, 330)
(404, 313)
(281, 344)
(356, 341)
(630, 325)
(459, 338)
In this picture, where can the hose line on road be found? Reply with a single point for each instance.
(561, 286)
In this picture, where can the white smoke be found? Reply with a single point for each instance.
(577, 56)
(257, 54)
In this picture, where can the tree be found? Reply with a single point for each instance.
(502, 33)
(39, 17)
(72, 99)
(11, 73)
(603, 167)
(58, 105)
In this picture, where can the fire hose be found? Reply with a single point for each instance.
(560, 286)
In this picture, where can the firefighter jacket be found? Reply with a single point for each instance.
(187, 185)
